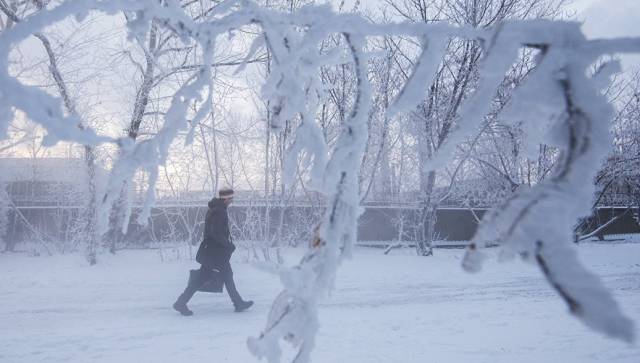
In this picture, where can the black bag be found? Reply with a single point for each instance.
(213, 284)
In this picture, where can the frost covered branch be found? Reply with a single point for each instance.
(576, 117)
(293, 315)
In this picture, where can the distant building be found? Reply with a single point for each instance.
(47, 181)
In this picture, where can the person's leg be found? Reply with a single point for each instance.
(227, 275)
(229, 284)
(193, 286)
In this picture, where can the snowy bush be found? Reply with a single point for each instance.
(558, 104)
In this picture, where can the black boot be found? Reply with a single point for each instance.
(194, 283)
(181, 306)
(243, 305)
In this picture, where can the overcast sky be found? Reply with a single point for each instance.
(610, 18)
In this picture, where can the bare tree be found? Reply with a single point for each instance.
(456, 77)
(11, 12)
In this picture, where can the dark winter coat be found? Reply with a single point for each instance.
(216, 248)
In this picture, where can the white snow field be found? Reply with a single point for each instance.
(394, 308)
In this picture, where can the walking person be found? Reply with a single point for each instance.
(215, 253)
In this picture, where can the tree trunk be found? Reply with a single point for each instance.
(427, 222)
(89, 156)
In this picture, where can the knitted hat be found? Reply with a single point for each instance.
(226, 193)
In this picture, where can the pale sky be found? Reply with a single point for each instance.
(609, 19)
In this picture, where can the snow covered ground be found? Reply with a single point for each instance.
(394, 308)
